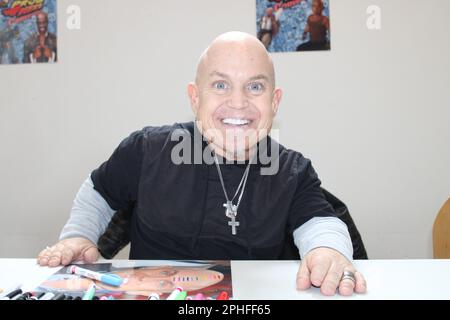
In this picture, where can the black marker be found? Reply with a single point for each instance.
(69, 298)
(59, 296)
(39, 295)
(77, 298)
(12, 294)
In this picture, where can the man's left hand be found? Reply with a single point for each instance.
(324, 268)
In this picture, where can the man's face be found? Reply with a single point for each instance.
(317, 7)
(237, 100)
(269, 11)
(42, 23)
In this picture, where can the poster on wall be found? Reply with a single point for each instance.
(293, 25)
(28, 31)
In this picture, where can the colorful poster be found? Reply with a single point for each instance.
(293, 25)
(144, 278)
(28, 31)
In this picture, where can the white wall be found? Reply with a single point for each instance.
(373, 114)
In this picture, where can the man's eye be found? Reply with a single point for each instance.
(220, 85)
(256, 87)
(168, 272)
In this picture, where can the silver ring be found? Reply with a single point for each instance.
(348, 275)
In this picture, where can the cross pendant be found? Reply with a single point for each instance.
(233, 224)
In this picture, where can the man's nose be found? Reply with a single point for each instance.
(237, 100)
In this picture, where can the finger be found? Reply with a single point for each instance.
(55, 258)
(67, 256)
(90, 254)
(43, 257)
(331, 281)
(319, 269)
(361, 285)
(303, 277)
(347, 286)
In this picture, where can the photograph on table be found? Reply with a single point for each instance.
(144, 278)
(28, 31)
(293, 25)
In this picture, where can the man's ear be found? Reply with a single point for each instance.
(193, 92)
(277, 94)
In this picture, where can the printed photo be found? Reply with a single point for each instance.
(293, 25)
(28, 31)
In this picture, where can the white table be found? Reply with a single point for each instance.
(387, 279)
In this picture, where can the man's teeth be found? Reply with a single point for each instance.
(236, 122)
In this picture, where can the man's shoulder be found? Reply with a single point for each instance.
(292, 160)
(164, 131)
(155, 137)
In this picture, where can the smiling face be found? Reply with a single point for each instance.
(42, 22)
(234, 97)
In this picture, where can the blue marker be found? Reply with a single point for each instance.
(111, 279)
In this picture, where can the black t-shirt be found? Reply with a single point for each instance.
(178, 208)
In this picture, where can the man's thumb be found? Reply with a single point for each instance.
(91, 255)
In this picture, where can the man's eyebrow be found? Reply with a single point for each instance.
(260, 77)
(223, 75)
(219, 74)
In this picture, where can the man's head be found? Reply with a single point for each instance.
(317, 7)
(42, 22)
(269, 11)
(234, 96)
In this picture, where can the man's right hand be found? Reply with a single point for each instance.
(68, 250)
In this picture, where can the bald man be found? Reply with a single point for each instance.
(209, 189)
(40, 47)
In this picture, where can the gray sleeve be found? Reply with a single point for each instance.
(89, 216)
(328, 232)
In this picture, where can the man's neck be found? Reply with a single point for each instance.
(232, 156)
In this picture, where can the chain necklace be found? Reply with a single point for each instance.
(230, 208)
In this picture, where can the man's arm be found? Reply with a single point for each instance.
(89, 216)
(326, 251)
(88, 220)
(329, 232)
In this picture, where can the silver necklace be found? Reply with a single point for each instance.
(231, 210)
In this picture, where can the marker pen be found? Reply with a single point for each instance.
(181, 296)
(153, 296)
(90, 292)
(39, 295)
(223, 296)
(10, 289)
(12, 295)
(199, 296)
(174, 293)
(47, 296)
(59, 296)
(69, 298)
(111, 279)
(77, 298)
